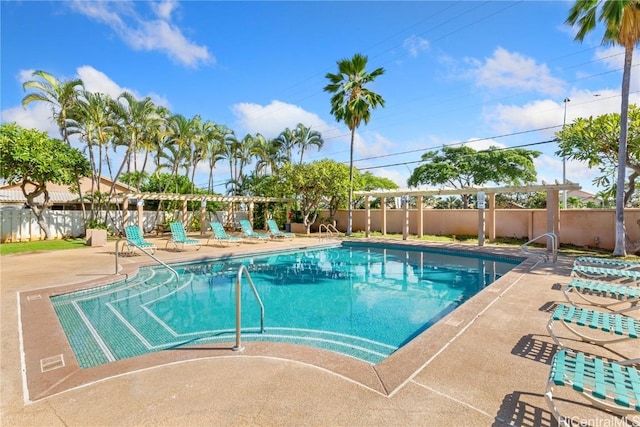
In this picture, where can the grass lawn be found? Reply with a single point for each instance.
(41, 245)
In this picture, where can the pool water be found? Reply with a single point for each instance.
(361, 301)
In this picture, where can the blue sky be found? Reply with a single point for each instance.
(481, 73)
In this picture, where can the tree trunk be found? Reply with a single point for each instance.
(620, 247)
(350, 217)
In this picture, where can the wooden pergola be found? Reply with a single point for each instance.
(486, 217)
(139, 198)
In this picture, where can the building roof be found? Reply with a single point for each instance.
(57, 197)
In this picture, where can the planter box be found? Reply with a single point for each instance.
(298, 228)
(96, 237)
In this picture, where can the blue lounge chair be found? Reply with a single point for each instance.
(611, 295)
(248, 232)
(221, 236)
(620, 275)
(179, 237)
(136, 240)
(606, 262)
(606, 385)
(610, 327)
(275, 231)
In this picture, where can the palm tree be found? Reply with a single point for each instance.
(218, 137)
(92, 120)
(286, 141)
(305, 137)
(61, 95)
(622, 21)
(351, 103)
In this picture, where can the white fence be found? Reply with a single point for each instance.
(21, 225)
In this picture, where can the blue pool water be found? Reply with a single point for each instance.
(362, 301)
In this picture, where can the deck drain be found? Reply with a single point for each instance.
(33, 297)
(453, 322)
(50, 363)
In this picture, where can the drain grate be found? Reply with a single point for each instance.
(453, 322)
(50, 363)
(34, 297)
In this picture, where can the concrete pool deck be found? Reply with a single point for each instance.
(485, 364)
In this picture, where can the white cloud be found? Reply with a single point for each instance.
(38, 115)
(415, 45)
(270, 120)
(512, 70)
(483, 144)
(613, 58)
(549, 113)
(147, 34)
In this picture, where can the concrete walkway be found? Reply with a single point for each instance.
(486, 364)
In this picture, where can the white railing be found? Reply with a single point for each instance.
(329, 229)
(552, 243)
(243, 269)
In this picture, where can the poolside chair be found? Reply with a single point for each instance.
(621, 275)
(179, 237)
(610, 296)
(136, 240)
(610, 327)
(247, 231)
(607, 262)
(606, 385)
(221, 236)
(275, 231)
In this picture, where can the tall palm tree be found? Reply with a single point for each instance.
(352, 102)
(180, 135)
(61, 95)
(92, 120)
(135, 117)
(286, 141)
(305, 137)
(622, 21)
(219, 136)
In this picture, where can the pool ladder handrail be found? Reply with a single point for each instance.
(243, 269)
(330, 228)
(159, 261)
(543, 255)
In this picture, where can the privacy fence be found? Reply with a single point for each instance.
(580, 227)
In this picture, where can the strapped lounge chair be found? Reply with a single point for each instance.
(275, 231)
(221, 236)
(607, 262)
(612, 295)
(607, 385)
(247, 231)
(616, 327)
(179, 237)
(620, 275)
(136, 240)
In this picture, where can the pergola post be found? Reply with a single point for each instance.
(383, 214)
(367, 206)
(203, 216)
(289, 213)
(480, 197)
(140, 207)
(183, 216)
(125, 212)
(251, 213)
(553, 215)
(420, 216)
(491, 218)
(405, 227)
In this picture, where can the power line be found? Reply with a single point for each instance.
(480, 151)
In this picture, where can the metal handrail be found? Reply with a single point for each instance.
(554, 247)
(123, 239)
(243, 268)
(330, 228)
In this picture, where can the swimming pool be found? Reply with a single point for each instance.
(364, 301)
